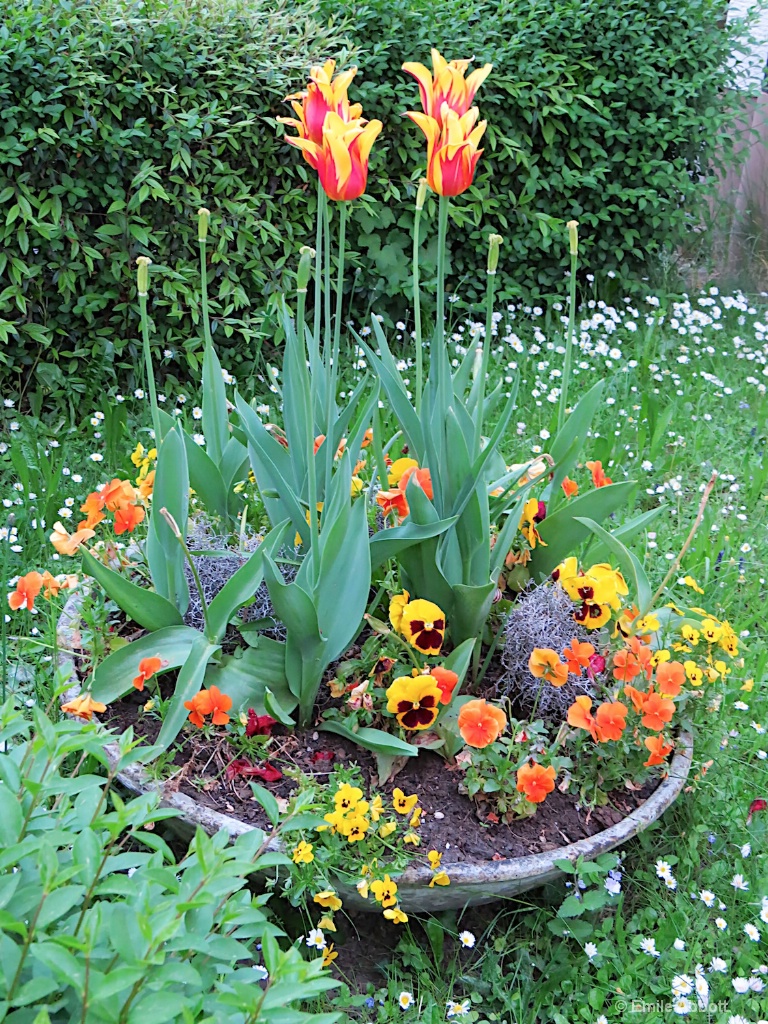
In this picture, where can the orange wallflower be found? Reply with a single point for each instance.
(670, 678)
(599, 479)
(632, 661)
(657, 712)
(577, 656)
(147, 668)
(580, 715)
(147, 485)
(535, 781)
(658, 750)
(481, 723)
(544, 663)
(423, 479)
(117, 494)
(83, 706)
(446, 84)
(570, 487)
(446, 681)
(128, 518)
(610, 719)
(393, 501)
(209, 702)
(27, 589)
(66, 543)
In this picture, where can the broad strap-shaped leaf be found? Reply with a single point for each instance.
(215, 416)
(343, 586)
(387, 372)
(377, 740)
(246, 678)
(165, 556)
(141, 605)
(563, 533)
(243, 584)
(471, 607)
(628, 563)
(626, 532)
(563, 449)
(389, 543)
(189, 682)
(113, 678)
(205, 479)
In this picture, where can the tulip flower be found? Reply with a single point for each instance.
(452, 148)
(341, 158)
(324, 94)
(446, 84)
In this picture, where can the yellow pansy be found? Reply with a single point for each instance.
(397, 605)
(404, 804)
(303, 853)
(328, 900)
(441, 878)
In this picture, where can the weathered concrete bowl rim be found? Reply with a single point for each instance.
(485, 881)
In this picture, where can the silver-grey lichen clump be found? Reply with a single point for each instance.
(215, 570)
(543, 617)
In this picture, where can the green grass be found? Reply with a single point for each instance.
(677, 406)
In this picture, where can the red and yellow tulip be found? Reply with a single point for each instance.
(341, 159)
(324, 94)
(447, 84)
(452, 148)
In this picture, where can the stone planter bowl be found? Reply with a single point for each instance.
(471, 884)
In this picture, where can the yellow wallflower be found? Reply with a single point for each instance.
(328, 900)
(303, 853)
(404, 804)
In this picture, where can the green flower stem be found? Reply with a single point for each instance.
(149, 369)
(569, 343)
(321, 200)
(483, 375)
(344, 210)
(204, 293)
(417, 311)
(442, 233)
(192, 567)
(327, 273)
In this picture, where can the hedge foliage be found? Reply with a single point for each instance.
(119, 118)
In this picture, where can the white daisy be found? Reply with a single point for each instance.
(682, 985)
(739, 882)
(682, 1006)
(746, 850)
(741, 985)
(679, 944)
(457, 1009)
(718, 965)
(316, 939)
(591, 950)
(467, 939)
(721, 923)
(707, 898)
(751, 932)
(405, 999)
(649, 946)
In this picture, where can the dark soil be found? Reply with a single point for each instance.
(451, 822)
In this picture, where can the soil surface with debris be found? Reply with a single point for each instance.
(451, 822)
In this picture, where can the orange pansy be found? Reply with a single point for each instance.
(599, 479)
(658, 750)
(657, 712)
(147, 668)
(446, 681)
(535, 781)
(570, 487)
(610, 719)
(423, 479)
(83, 706)
(580, 716)
(481, 723)
(393, 501)
(670, 678)
(66, 543)
(544, 663)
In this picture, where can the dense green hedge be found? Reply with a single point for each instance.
(118, 118)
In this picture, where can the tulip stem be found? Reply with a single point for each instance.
(483, 372)
(340, 282)
(568, 344)
(149, 368)
(327, 272)
(319, 261)
(417, 311)
(442, 232)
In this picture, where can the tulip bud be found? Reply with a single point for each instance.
(171, 522)
(421, 194)
(142, 274)
(494, 241)
(305, 268)
(573, 234)
(203, 219)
